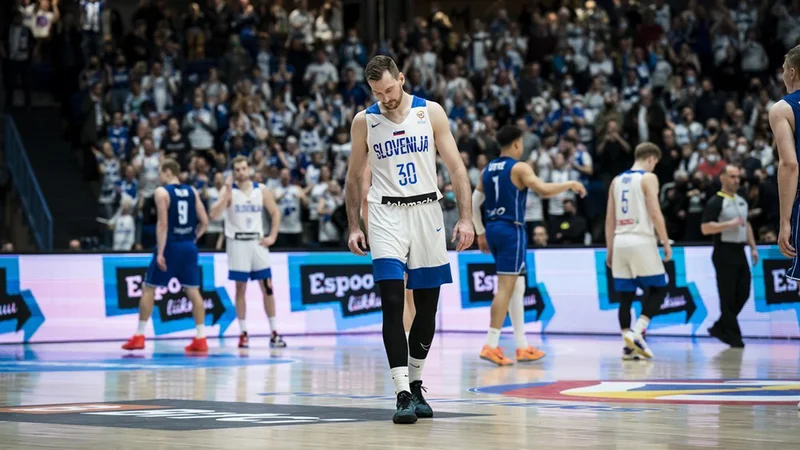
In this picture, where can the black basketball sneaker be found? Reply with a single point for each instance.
(421, 408)
(405, 409)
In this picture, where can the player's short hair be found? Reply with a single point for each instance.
(238, 159)
(507, 134)
(172, 166)
(378, 65)
(646, 150)
(793, 58)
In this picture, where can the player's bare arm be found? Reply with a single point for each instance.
(478, 198)
(162, 208)
(650, 190)
(751, 242)
(365, 184)
(522, 175)
(352, 186)
(274, 214)
(611, 223)
(781, 119)
(224, 200)
(202, 216)
(464, 230)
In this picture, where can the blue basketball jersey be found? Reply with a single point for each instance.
(793, 100)
(182, 214)
(504, 201)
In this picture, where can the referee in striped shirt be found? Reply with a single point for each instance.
(725, 218)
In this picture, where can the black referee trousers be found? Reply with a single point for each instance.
(733, 285)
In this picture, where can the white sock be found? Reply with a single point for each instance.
(641, 325)
(272, 326)
(243, 325)
(400, 378)
(142, 327)
(493, 337)
(516, 311)
(201, 331)
(415, 369)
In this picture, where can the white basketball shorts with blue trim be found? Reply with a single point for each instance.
(409, 239)
(247, 260)
(636, 262)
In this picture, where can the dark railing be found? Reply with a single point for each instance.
(38, 214)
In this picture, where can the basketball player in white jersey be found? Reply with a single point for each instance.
(410, 309)
(633, 212)
(399, 136)
(248, 256)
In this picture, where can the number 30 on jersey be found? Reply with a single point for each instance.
(407, 174)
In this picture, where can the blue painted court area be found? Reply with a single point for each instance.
(29, 359)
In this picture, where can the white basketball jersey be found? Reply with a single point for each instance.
(402, 157)
(632, 216)
(243, 216)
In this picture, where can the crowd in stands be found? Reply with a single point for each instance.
(279, 82)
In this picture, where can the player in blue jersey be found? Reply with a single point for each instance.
(503, 189)
(182, 219)
(783, 118)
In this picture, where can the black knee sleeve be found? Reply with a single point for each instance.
(653, 303)
(267, 285)
(394, 336)
(624, 312)
(426, 302)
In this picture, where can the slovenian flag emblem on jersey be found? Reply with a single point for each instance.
(399, 133)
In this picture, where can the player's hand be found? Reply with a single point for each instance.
(357, 243)
(784, 241)
(464, 232)
(609, 258)
(268, 241)
(667, 251)
(482, 244)
(162, 263)
(578, 188)
(754, 255)
(229, 182)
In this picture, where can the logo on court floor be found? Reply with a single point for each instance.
(772, 290)
(682, 304)
(124, 278)
(478, 275)
(340, 282)
(699, 392)
(190, 415)
(18, 309)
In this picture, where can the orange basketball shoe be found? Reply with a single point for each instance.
(529, 354)
(134, 343)
(197, 345)
(495, 355)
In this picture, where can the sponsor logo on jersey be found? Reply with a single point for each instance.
(124, 279)
(701, 392)
(478, 275)
(420, 114)
(343, 283)
(682, 304)
(18, 308)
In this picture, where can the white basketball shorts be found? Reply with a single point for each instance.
(409, 239)
(636, 262)
(247, 260)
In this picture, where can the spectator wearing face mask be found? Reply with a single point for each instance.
(712, 164)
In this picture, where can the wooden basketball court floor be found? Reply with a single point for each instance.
(335, 393)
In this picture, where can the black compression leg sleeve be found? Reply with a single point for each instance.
(624, 313)
(653, 303)
(424, 326)
(394, 336)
